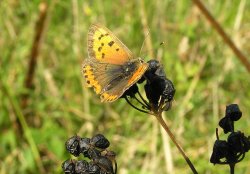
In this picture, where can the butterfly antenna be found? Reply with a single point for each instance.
(161, 44)
(143, 43)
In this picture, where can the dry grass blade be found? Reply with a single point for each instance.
(223, 34)
(40, 25)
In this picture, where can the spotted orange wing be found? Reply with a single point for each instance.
(108, 80)
(104, 69)
(104, 46)
(117, 91)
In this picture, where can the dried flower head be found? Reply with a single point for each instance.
(102, 160)
(232, 150)
(158, 88)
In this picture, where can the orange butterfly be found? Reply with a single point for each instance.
(111, 67)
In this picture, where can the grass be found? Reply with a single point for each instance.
(206, 74)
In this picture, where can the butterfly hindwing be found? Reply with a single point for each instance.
(121, 85)
(96, 74)
(109, 80)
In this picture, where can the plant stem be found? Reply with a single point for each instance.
(223, 34)
(126, 98)
(36, 46)
(164, 125)
(24, 125)
(232, 166)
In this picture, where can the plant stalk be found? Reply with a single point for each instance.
(232, 166)
(223, 34)
(35, 50)
(164, 125)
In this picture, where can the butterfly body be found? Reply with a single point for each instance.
(110, 68)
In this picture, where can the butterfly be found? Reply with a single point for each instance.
(110, 68)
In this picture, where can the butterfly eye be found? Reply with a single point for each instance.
(140, 60)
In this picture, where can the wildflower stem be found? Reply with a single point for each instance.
(164, 125)
(217, 135)
(143, 104)
(146, 103)
(135, 106)
(232, 165)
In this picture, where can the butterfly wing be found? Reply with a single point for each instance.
(108, 80)
(122, 85)
(104, 46)
(104, 69)
(97, 74)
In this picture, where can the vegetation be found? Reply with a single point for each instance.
(206, 73)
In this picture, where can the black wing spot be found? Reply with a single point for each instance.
(117, 49)
(103, 55)
(102, 44)
(111, 43)
(88, 82)
(86, 76)
(106, 34)
(100, 36)
(99, 49)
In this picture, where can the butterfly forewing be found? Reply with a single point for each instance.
(104, 46)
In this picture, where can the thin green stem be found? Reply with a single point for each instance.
(17, 109)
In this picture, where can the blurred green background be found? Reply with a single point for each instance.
(206, 74)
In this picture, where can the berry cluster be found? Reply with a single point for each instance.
(102, 161)
(232, 150)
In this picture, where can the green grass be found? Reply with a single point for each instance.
(206, 74)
